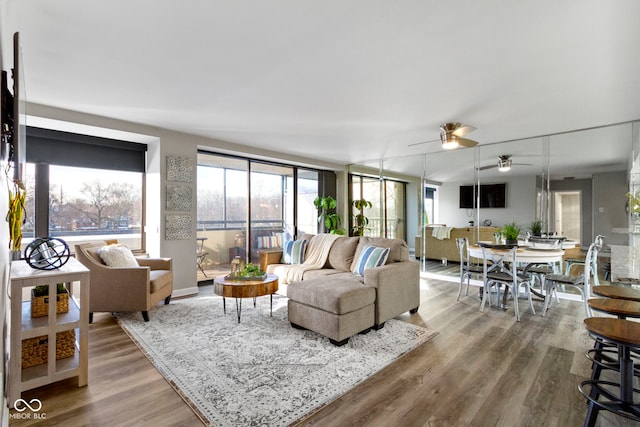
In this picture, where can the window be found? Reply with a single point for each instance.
(387, 215)
(245, 206)
(429, 205)
(83, 188)
(307, 214)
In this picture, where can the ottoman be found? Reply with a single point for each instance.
(336, 306)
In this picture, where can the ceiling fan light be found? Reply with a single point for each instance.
(449, 142)
(504, 165)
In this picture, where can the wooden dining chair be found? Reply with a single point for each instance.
(499, 268)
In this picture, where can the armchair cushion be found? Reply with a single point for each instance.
(117, 256)
(158, 279)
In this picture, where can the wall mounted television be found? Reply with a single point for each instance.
(491, 196)
(13, 117)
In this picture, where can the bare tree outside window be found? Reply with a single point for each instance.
(89, 204)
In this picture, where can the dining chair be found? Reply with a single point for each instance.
(581, 282)
(499, 268)
(571, 262)
(467, 268)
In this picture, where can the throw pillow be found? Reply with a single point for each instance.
(293, 251)
(370, 257)
(117, 256)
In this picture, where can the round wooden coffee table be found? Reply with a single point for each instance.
(239, 289)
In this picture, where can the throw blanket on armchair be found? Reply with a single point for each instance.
(315, 258)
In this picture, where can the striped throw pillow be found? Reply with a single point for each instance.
(370, 257)
(293, 251)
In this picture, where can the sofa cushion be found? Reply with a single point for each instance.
(312, 274)
(342, 253)
(398, 249)
(370, 257)
(293, 251)
(334, 293)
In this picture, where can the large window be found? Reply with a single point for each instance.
(83, 188)
(307, 214)
(246, 206)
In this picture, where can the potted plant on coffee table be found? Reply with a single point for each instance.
(511, 232)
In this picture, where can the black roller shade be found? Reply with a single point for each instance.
(72, 149)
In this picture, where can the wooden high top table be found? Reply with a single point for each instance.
(239, 289)
(622, 308)
(617, 292)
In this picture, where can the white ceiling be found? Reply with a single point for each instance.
(341, 81)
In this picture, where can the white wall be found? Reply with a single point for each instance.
(161, 143)
(521, 204)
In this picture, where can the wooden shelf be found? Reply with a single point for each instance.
(37, 326)
(23, 326)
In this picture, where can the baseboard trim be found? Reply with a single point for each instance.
(185, 292)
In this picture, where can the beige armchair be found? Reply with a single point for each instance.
(125, 288)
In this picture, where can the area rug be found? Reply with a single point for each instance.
(260, 371)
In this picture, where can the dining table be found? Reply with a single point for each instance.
(524, 255)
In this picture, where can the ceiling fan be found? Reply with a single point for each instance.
(504, 164)
(451, 136)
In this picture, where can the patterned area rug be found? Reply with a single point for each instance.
(260, 371)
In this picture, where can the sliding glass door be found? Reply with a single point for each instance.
(271, 189)
(247, 206)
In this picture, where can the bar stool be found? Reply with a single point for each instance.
(604, 355)
(626, 335)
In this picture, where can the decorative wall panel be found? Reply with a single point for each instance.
(178, 227)
(179, 169)
(179, 197)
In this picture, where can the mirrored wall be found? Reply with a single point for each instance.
(574, 183)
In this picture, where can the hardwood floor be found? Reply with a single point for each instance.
(481, 369)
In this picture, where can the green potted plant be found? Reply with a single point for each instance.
(327, 218)
(360, 221)
(511, 233)
(536, 227)
(40, 300)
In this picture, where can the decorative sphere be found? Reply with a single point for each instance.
(47, 253)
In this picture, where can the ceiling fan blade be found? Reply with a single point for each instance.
(483, 168)
(423, 142)
(466, 142)
(463, 130)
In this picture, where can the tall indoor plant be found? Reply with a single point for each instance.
(360, 221)
(328, 219)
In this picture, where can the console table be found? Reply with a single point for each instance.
(23, 326)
